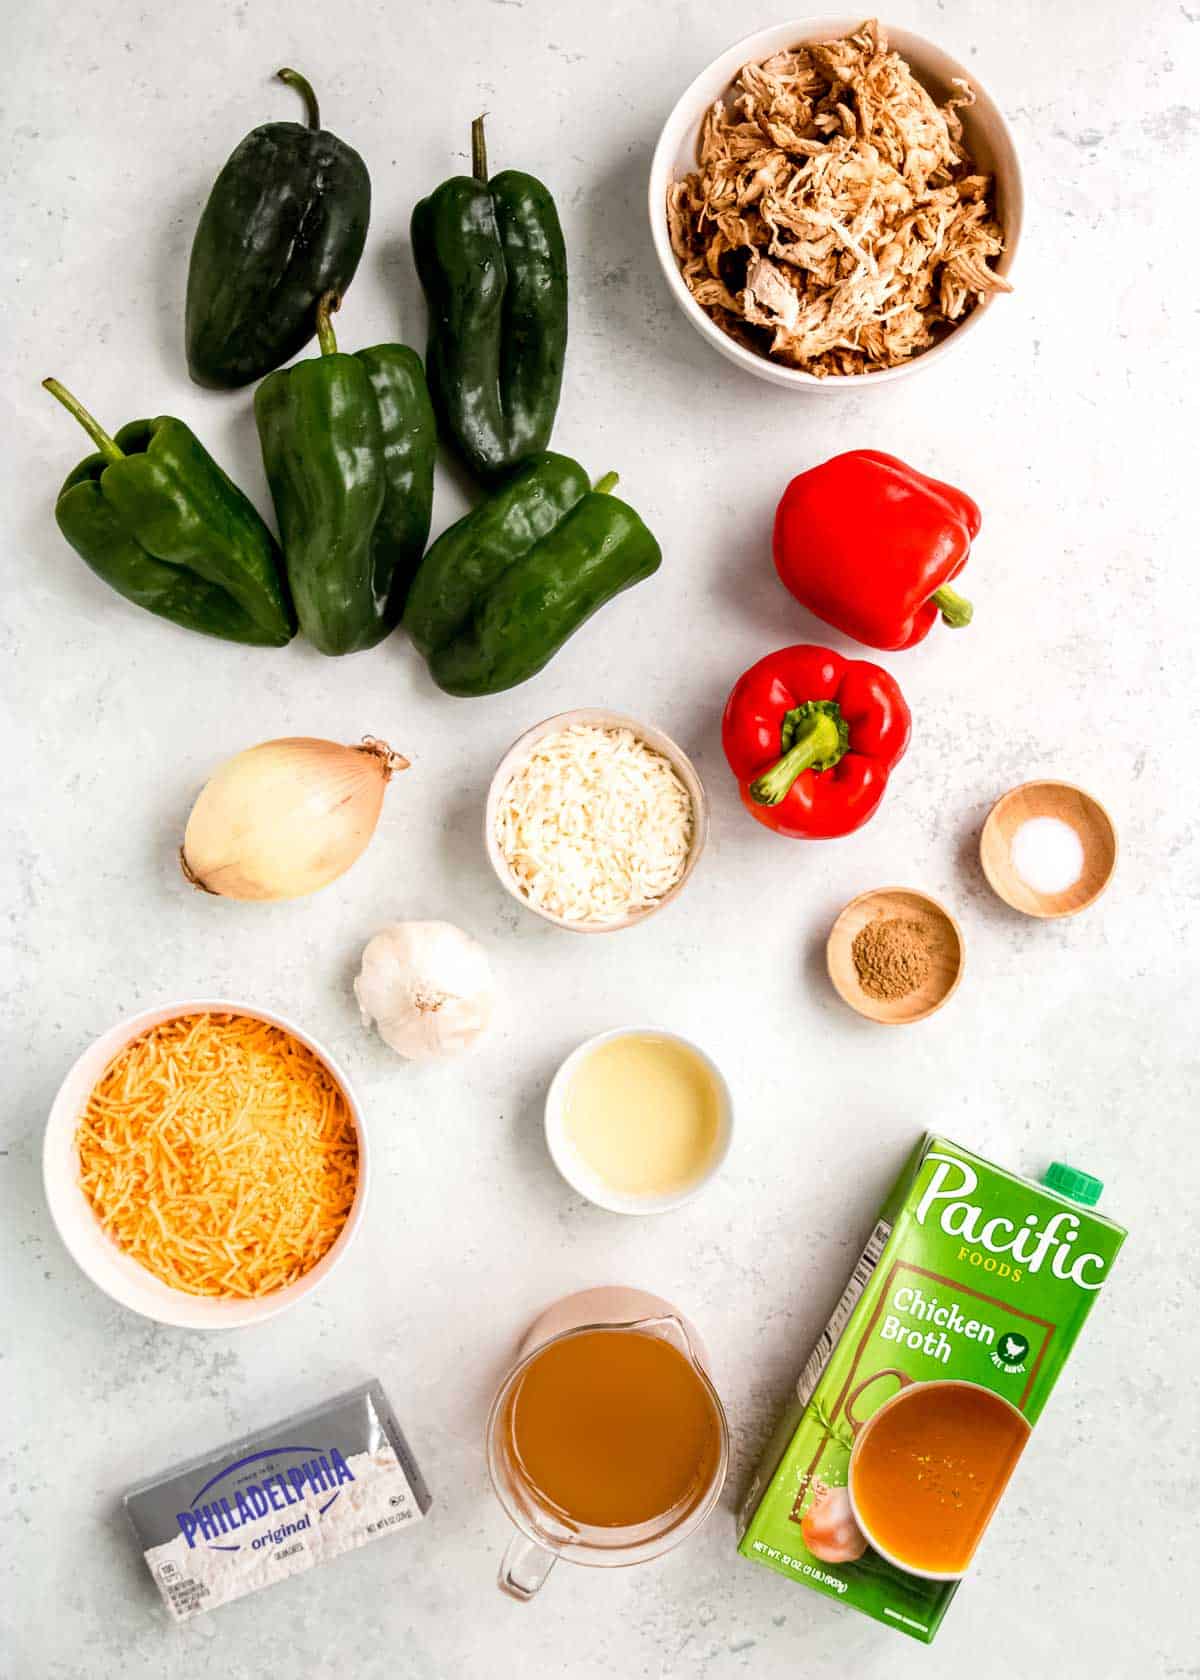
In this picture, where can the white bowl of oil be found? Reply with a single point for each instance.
(639, 1120)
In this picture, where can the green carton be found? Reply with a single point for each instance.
(920, 1394)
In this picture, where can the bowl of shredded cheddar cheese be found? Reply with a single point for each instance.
(205, 1164)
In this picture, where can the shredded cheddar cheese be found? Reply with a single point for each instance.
(220, 1154)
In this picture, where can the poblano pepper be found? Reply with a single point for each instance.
(349, 443)
(491, 260)
(499, 593)
(285, 223)
(155, 517)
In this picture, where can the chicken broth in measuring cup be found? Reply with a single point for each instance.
(607, 1443)
(613, 1428)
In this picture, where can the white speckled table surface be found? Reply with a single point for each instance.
(1072, 420)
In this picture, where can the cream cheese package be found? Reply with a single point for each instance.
(277, 1502)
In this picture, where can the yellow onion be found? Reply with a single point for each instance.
(284, 818)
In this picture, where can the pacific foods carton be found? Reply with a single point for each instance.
(921, 1393)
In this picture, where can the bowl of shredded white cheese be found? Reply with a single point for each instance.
(595, 821)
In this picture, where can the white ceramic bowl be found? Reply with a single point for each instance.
(598, 717)
(988, 140)
(116, 1273)
(575, 1169)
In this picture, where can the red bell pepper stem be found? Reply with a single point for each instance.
(956, 610)
(303, 87)
(326, 337)
(93, 428)
(818, 739)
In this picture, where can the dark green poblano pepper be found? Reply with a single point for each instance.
(284, 224)
(349, 444)
(155, 517)
(492, 263)
(501, 591)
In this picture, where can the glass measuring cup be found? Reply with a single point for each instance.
(548, 1531)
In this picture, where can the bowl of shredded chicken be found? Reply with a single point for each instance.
(834, 202)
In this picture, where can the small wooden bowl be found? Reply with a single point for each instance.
(1069, 804)
(903, 904)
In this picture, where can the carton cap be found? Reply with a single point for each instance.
(1081, 1187)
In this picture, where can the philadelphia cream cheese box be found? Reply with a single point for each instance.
(277, 1502)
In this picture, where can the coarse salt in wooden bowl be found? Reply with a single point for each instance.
(942, 935)
(1065, 803)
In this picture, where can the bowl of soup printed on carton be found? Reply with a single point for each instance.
(920, 1396)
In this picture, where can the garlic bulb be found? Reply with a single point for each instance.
(284, 818)
(428, 988)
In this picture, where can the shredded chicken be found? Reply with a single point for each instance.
(835, 221)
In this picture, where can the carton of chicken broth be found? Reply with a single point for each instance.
(919, 1396)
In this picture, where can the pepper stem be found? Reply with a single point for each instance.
(326, 337)
(478, 151)
(93, 428)
(814, 736)
(956, 610)
(303, 87)
(603, 485)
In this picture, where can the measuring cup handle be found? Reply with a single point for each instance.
(848, 1409)
(524, 1569)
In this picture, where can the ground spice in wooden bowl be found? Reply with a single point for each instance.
(895, 955)
(892, 957)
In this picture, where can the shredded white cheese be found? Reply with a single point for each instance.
(595, 825)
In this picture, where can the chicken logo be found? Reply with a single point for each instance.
(1010, 1352)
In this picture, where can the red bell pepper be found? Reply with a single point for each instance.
(870, 545)
(812, 738)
